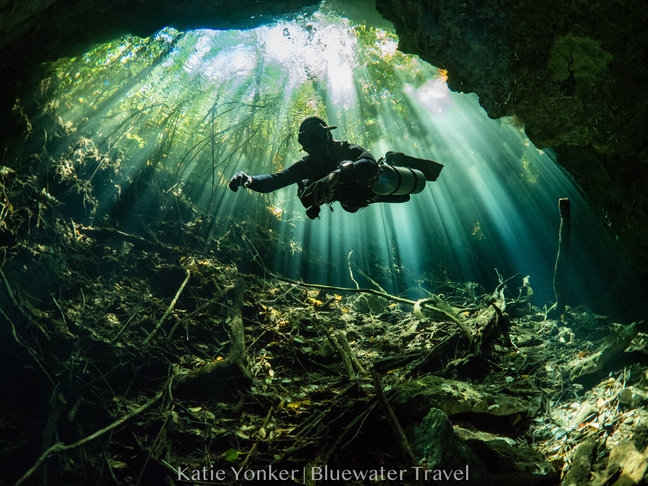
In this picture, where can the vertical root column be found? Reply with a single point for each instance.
(564, 240)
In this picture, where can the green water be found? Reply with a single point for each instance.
(204, 104)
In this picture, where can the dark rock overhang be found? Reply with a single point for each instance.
(45, 30)
(574, 73)
(56, 28)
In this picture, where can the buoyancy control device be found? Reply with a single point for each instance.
(399, 175)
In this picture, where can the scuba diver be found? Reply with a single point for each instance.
(341, 171)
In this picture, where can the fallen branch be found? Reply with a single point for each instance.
(20, 306)
(344, 342)
(253, 450)
(425, 304)
(25, 346)
(214, 299)
(339, 427)
(238, 351)
(403, 443)
(376, 284)
(60, 447)
(169, 309)
(351, 270)
(335, 343)
(138, 241)
(9, 291)
(152, 449)
(385, 295)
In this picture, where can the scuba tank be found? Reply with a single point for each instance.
(397, 181)
(400, 174)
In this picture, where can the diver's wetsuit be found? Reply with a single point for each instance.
(314, 167)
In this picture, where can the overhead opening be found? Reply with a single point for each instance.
(181, 112)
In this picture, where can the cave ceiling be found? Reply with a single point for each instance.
(573, 72)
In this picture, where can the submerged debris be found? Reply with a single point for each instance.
(148, 358)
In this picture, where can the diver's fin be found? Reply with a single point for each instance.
(430, 168)
(393, 199)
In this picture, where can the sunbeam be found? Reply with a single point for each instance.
(204, 104)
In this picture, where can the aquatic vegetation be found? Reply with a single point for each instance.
(193, 108)
(158, 328)
(172, 355)
(579, 58)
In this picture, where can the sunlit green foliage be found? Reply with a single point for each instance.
(183, 111)
(204, 102)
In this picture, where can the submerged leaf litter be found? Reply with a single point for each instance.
(165, 352)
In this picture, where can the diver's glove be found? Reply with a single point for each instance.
(239, 179)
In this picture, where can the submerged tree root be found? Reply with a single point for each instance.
(272, 373)
(60, 447)
(416, 304)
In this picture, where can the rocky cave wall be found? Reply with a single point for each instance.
(573, 72)
(44, 30)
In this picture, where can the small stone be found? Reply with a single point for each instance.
(626, 396)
